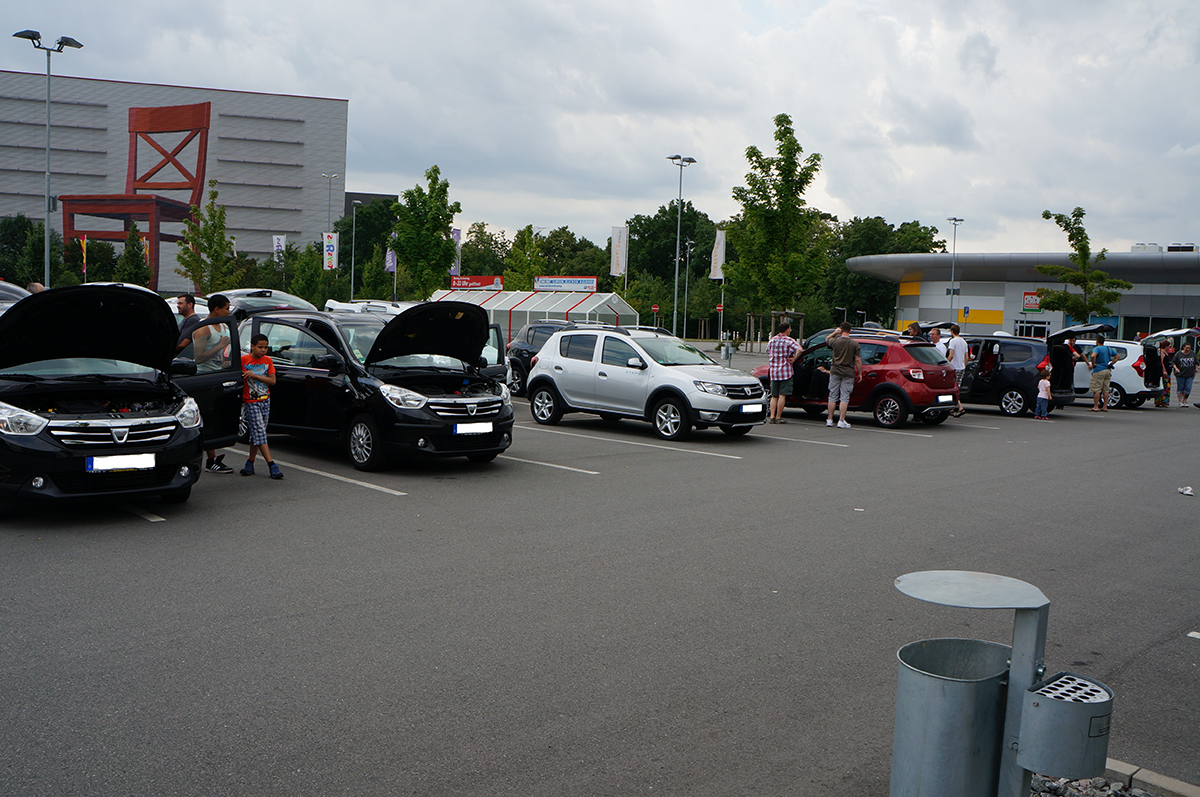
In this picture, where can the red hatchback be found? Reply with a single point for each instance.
(901, 377)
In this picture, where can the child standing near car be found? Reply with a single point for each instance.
(258, 374)
(1041, 411)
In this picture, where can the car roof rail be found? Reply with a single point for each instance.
(649, 328)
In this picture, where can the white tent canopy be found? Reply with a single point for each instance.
(514, 309)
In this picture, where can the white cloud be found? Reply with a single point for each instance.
(561, 113)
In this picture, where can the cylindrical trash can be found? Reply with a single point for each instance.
(950, 700)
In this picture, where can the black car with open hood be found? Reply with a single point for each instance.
(409, 385)
(88, 403)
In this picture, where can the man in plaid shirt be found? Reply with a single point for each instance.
(782, 351)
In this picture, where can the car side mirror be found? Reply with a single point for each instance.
(636, 362)
(331, 362)
(183, 368)
(483, 363)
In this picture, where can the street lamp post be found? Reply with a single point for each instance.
(687, 274)
(329, 203)
(353, 242)
(681, 162)
(843, 309)
(35, 39)
(953, 262)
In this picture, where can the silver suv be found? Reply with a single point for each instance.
(645, 374)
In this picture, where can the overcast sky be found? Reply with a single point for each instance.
(563, 113)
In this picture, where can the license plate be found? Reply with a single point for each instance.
(945, 399)
(752, 408)
(472, 428)
(120, 462)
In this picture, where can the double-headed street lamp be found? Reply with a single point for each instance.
(35, 39)
(953, 262)
(681, 162)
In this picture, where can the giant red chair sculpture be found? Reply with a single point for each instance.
(150, 210)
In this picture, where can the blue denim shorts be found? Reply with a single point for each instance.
(1183, 385)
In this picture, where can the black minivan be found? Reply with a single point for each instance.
(1003, 370)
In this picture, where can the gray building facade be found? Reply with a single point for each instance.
(267, 152)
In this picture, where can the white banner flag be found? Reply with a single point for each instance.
(278, 245)
(331, 251)
(389, 260)
(620, 251)
(456, 235)
(718, 257)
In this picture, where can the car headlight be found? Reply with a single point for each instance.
(403, 398)
(505, 396)
(188, 414)
(710, 387)
(14, 420)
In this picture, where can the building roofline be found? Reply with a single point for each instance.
(1170, 268)
(42, 75)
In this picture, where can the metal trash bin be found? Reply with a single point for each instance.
(950, 709)
(1064, 727)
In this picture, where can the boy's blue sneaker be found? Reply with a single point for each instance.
(276, 473)
(248, 470)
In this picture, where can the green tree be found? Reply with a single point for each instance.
(14, 234)
(372, 228)
(132, 268)
(484, 252)
(782, 243)
(423, 243)
(101, 260)
(376, 279)
(652, 240)
(871, 236)
(524, 261)
(1097, 289)
(205, 254)
(569, 256)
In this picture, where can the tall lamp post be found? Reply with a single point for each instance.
(353, 242)
(35, 39)
(681, 162)
(329, 203)
(953, 263)
(687, 275)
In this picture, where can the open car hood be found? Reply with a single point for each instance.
(1078, 330)
(103, 321)
(451, 329)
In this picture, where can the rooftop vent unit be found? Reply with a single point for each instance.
(1151, 247)
(1182, 248)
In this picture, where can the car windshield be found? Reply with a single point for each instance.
(360, 338)
(276, 301)
(673, 351)
(81, 366)
(433, 361)
(926, 354)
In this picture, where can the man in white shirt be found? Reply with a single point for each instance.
(935, 337)
(957, 350)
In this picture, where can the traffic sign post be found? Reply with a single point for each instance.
(654, 309)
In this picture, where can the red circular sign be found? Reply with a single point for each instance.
(654, 308)
(720, 307)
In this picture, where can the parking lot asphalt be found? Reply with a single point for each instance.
(595, 612)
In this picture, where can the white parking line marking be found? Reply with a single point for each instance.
(140, 513)
(1194, 634)
(534, 427)
(889, 431)
(800, 440)
(973, 426)
(552, 465)
(336, 477)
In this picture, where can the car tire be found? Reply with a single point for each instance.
(545, 405)
(1116, 396)
(177, 496)
(671, 420)
(889, 411)
(483, 458)
(736, 431)
(1013, 402)
(364, 444)
(516, 384)
(933, 418)
(1133, 403)
(611, 417)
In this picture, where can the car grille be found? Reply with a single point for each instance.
(461, 409)
(83, 482)
(744, 391)
(108, 432)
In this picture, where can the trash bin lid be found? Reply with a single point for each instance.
(970, 590)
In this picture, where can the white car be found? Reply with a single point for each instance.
(1136, 376)
(641, 373)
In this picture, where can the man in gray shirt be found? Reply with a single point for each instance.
(845, 371)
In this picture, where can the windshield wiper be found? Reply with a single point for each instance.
(94, 378)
